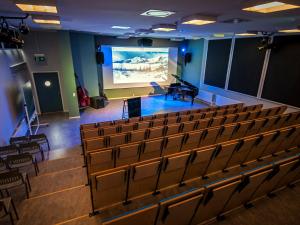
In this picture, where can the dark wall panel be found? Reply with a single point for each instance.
(246, 66)
(282, 83)
(217, 62)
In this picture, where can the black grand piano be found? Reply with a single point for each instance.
(182, 89)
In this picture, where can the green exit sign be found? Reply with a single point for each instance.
(39, 58)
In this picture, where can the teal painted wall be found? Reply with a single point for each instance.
(191, 72)
(84, 60)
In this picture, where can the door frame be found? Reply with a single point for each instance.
(60, 89)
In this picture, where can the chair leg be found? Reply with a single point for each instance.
(7, 193)
(1, 194)
(26, 189)
(15, 210)
(48, 144)
(42, 153)
(11, 218)
(28, 182)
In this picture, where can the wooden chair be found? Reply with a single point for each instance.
(6, 207)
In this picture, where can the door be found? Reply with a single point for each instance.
(48, 91)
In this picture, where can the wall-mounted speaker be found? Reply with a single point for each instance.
(100, 58)
(187, 58)
(145, 42)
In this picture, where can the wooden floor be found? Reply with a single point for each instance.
(59, 194)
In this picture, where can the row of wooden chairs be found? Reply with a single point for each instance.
(164, 115)
(214, 200)
(111, 130)
(116, 157)
(192, 137)
(131, 181)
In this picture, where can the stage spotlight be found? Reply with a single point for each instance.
(183, 50)
(23, 28)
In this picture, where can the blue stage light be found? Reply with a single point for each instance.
(183, 50)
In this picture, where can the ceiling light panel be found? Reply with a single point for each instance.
(290, 31)
(37, 8)
(198, 20)
(271, 7)
(120, 27)
(157, 13)
(245, 34)
(41, 21)
(164, 27)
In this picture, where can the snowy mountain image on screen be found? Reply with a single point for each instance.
(140, 66)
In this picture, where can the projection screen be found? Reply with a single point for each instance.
(127, 67)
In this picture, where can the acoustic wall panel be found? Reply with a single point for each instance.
(247, 64)
(283, 74)
(217, 62)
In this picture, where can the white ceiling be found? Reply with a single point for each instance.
(99, 15)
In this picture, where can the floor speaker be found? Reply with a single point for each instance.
(97, 102)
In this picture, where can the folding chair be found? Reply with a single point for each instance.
(191, 140)
(225, 133)
(151, 149)
(240, 130)
(143, 125)
(158, 122)
(118, 139)
(8, 150)
(41, 139)
(217, 121)
(278, 172)
(127, 127)
(145, 216)
(259, 146)
(203, 123)
(290, 177)
(255, 126)
(109, 187)
(32, 148)
(249, 183)
(220, 157)
(143, 178)
(183, 205)
(214, 199)
(185, 118)
(127, 154)
(241, 150)
(137, 135)
(101, 160)
(230, 118)
(172, 144)
(172, 120)
(95, 143)
(108, 130)
(21, 161)
(134, 120)
(173, 169)
(92, 133)
(198, 164)
(197, 116)
(189, 126)
(268, 124)
(242, 117)
(172, 129)
(156, 132)
(209, 136)
(290, 139)
(6, 207)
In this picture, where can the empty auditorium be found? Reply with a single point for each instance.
(135, 112)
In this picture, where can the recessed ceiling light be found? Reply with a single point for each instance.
(120, 27)
(219, 35)
(37, 8)
(42, 21)
(245, 34)
(271, 7)
(198, 20)
(157, 13)
(164, 27)
(290, 31)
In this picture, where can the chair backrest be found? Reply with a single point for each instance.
(109, 187)
(173, 169)
(127, 154)
(101, 160)
(215, 198)
(180, 209)
(143, 177)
